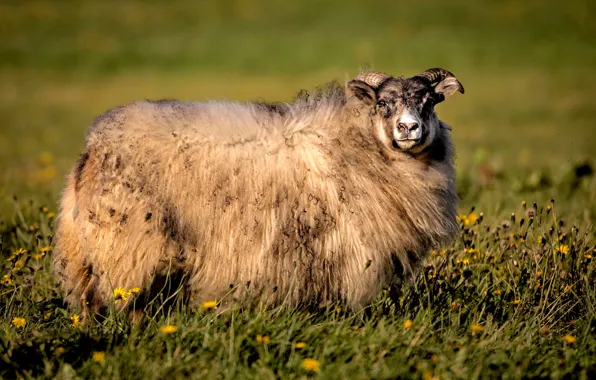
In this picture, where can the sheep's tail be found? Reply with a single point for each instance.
(68, 262)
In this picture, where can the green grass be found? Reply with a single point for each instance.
(522, 130)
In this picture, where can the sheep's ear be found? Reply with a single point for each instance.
(448, 87)
(444, 82)
(362, 91)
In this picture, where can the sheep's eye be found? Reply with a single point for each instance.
(382, 103)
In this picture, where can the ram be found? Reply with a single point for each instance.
(330, 198)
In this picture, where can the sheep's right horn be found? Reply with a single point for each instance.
(438, 75)
(373, 78)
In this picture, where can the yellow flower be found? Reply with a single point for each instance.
(472, 218)
(168, 329)
(134, 290)
(541, 240)
(120, 294)
(563, 248)
(300, 345)
(51, 215)
(263, 339)
(497, 292)
(6, 279)
(428, 375)
(99, 357)
(408, 324)
(569, 339)
(19, 322)
(76, 320)
(311, 365)
(16, 254)
(209, 305)
(19, 264)
(476, 329)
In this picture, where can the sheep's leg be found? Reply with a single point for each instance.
(86, 298)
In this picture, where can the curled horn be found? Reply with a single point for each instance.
(373, 78)
(437, 75)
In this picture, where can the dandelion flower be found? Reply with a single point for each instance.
(168, 329)
(476, 329)
(569, 339)
(19, 322)
(99, 357)
(6, 280)
(311, 365)
(263, 339)
(428, 375)
(300, 345)
(563, 248)
(76, 320)
(472, 218)
(120, 294)
(209, 305)
(408, 324)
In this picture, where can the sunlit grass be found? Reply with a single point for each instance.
(507, 299)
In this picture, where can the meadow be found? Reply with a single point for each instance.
(512, 297)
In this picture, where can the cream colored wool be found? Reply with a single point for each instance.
(295, 203)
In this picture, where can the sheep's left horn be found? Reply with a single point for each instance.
(373, 78)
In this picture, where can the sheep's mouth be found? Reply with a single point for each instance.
(404, 144)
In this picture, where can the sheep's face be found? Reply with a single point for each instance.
(402, 109)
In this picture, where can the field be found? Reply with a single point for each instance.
(513, 297)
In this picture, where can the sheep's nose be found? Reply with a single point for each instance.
(408, 126)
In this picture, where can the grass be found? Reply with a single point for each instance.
(499, 302)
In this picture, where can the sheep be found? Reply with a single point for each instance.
(331, 198)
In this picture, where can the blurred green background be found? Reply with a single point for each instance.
(526, 122)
